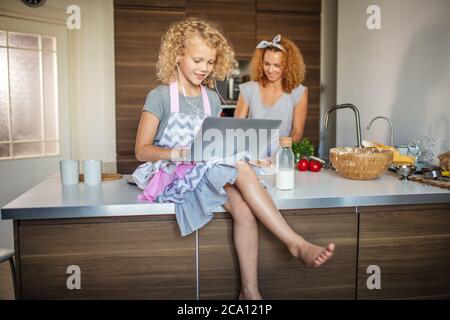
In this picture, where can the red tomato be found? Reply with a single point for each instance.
(314, 166)
(302, 165)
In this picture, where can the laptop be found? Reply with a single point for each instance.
(229, 139)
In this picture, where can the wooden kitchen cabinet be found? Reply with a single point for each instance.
(236, 18)
(280, 275)
(137, 34)
(119, 258)
(297, 6)
(304, 31)
(411, 246)
(144, 257)
(167, 4)
(139, 25)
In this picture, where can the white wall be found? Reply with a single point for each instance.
(328, 60)
(91, 91)
(401, 71)
(92, 73)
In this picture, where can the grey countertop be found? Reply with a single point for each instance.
(326, 189)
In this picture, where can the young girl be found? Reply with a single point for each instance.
(192, 54)
(277, 71)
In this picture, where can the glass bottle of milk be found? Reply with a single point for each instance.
(285, 165)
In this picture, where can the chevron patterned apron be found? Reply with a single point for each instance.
(180, 131)
(196, 189)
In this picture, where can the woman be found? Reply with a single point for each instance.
(275, 92)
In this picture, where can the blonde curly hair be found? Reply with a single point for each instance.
(294, 69)
(174, 41)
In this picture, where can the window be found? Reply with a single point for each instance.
(28, 96)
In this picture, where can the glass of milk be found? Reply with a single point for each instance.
(285, 165)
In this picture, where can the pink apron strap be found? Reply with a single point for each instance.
(206, 105)
(174, 103)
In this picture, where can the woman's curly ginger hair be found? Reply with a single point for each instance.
(294, 69)
(174, 41)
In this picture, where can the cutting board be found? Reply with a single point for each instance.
(106, 176)
(444, 183)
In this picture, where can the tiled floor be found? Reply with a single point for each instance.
(6, 284)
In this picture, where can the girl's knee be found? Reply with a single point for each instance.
(245, 169)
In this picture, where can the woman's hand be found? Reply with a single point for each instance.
(241, 108)
(299, 117)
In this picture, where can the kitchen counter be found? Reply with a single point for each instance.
(51, 200)
(131, 249)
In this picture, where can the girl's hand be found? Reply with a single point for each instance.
(179, 154)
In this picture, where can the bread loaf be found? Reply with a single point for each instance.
(444, 161)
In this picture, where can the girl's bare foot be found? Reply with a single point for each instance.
(246, 294)
(312, 255)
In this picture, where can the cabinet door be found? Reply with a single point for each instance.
(118, 258)
(137, 40)
(236, 18)
(280, 275)
(304, 31)
(410, 246)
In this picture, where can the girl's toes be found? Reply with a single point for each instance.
(318, 261)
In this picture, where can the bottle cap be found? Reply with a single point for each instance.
(286, 142)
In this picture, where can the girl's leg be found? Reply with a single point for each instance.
(245, 236)
(263, 207)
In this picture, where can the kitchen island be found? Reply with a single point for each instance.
(124, 248)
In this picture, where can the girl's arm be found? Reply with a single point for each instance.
(241, 108)
(144, 149)
(299, 117)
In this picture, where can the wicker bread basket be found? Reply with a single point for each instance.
(361, 163)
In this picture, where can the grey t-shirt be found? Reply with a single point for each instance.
(282, 110)
(158, 103)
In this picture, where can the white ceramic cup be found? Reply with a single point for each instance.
(92, 170)
(69, 172)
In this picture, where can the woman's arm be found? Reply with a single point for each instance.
(299, 117)
(241, 108)
(144, 149)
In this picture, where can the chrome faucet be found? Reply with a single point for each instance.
(390, 124)
(357, 119)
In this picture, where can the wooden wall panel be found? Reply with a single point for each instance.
(123, 260)
(237, 19)
(139, 25)
(298, 6)
(137, 40)
(304, 30)
(411, 245)
(152, 4)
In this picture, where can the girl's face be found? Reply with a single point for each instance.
(197, 62)
(273, 65)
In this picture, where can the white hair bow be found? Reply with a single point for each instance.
(274, 43)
